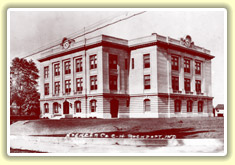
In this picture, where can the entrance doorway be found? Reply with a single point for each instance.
(114, 108)
(66, 107)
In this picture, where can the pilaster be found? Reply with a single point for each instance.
(72, 76)
(192, 69)
(181, 74)
(61, 78)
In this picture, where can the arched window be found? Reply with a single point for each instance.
(46, 108)
(147, 105)
(93, 105)
(177, 105)
(55, 107)
(189, 106)
(78, 108)
(200, 106)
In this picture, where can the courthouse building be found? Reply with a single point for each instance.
(107, 77)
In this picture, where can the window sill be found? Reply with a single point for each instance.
(188, 92)
(67, 93)
(78, 92)
(176, 91)
(199, 93)
(146, 67)
(147, 88)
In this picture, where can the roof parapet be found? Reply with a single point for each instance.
(183, 42)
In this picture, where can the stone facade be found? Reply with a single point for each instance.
(108, 77)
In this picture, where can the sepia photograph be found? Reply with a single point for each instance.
(117, 82)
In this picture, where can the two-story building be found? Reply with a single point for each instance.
(107, 77)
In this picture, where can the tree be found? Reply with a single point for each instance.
(23, 86)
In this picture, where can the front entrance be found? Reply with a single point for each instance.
(66, 107)
(114, 108)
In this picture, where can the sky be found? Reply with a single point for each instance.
(30, 30)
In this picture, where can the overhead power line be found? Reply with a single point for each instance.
(89, 29)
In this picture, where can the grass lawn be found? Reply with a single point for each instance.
(211, 127)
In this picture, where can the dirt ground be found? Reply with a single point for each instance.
(212, 127)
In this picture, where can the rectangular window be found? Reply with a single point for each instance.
(174, 63)
(67, 86)
(93, 105)
(78, 107)
(132, 63)
(187, 85)
(113, 82)
(93, 82)
(46, 72)
(57, 88)
(79, 84)
(46, 107)
(57, 69)
(146, 105)
(112, 61)
(146, 59)
(198, 86)
(46, 89)
(177, 106)
(126, 64)
(79, 65)
(147, 82)
(67, 69)
(93, 61)
(197, 68)
(186, 65)
(200, 106)
(56, 107)
(189, 106)
(175, 83)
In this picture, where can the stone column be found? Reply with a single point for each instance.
(192, 69)
(42, 110)
(61, 79)
(41, 82)
(72, 76)
(51, 82)
(169, 73)
(181, 74)
(118, 78)
(203, 82)
(50, 107)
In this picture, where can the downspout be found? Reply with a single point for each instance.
(85, 75)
